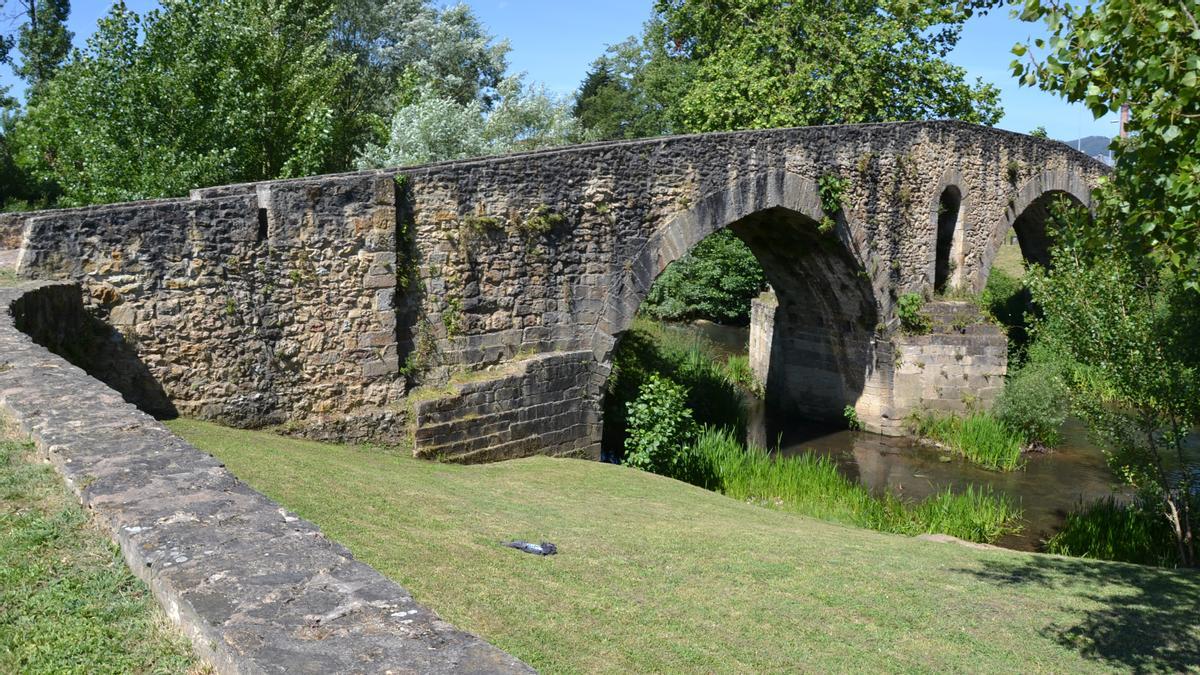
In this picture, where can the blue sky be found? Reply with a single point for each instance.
(554, 41)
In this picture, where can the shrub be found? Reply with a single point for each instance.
(660, 427)
(908, 308)
(738, 371)
(1008, 300)
(1035, 402)
(852, 421)
(1110, 530)
(715, 281)
(979, 437)
(649, 348)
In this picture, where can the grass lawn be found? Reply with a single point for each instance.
(657, 575)
(68, 604)
(1009, 258)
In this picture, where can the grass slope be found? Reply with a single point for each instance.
(68, 604)
(657, 575)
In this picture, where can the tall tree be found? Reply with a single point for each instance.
(43, 40)
(633, 90)
(1144, 53)
(200, 92)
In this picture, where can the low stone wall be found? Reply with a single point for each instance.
(256, 588)
(523, 408)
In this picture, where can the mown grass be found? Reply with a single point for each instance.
(811, 485)
(68, 604)
(656, 575)
(978, 436)
(1109, 529)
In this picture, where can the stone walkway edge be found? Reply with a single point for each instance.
(256, 589)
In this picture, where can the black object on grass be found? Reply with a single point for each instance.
(544, 548)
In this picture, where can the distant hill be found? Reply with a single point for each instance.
(1091, 145)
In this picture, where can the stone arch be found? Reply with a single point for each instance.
(822, 357)
(1027, 213)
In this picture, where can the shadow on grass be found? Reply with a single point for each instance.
(1149, 619)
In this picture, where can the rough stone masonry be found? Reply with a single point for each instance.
(471, 308)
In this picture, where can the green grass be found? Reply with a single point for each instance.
(68, 604)
(1009, 259)
(8, 277)
(811, 485)
(657, 575)
(1110, 530)
(978, 436)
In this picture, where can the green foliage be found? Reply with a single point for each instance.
(1113, 530)
(764, 64)
(715, 281)
(830, 188)
(1144, 53)
(1035, 401)
(811, 484)
(738, 371)
(633, 90)
(43, 41)
(714, 391)
(979, 436)
(1007, 300)
(851, 417)
(1132, 361)
(908, 309)
(1040, 132)
(200, 92)
(660, 427)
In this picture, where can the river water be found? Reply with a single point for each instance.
(1050, 485)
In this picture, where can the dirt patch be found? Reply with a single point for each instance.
(8, 259)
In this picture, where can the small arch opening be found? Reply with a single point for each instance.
(262, 225)
(947, 223)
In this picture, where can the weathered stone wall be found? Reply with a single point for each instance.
(959, 366)
(12, 230)
(256, 588)
(251, 308)
(320, 302)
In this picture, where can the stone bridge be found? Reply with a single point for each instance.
(471, 308)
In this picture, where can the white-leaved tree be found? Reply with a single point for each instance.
(436, 127)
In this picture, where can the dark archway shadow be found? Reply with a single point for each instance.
(1146, 619)
(54, 317)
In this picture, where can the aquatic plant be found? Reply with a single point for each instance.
(811, 485)
(1109, 529)
(979, 436)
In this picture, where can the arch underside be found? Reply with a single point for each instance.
(821, 352)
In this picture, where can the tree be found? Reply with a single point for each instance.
(777, 63)
(632, 91)
(715, 281)
(1143, 53)
(43, 40)
(1128, 333)
(1040, 132)
(201, 92)
(435, 127)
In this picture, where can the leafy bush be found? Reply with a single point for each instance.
(715, 281)
(648, 348)
(1111, 530)
(851, 416)
(1035, 402)
(1008, 301)
(979, 437)
(908, 308)
(660, 427)
(812, 485)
